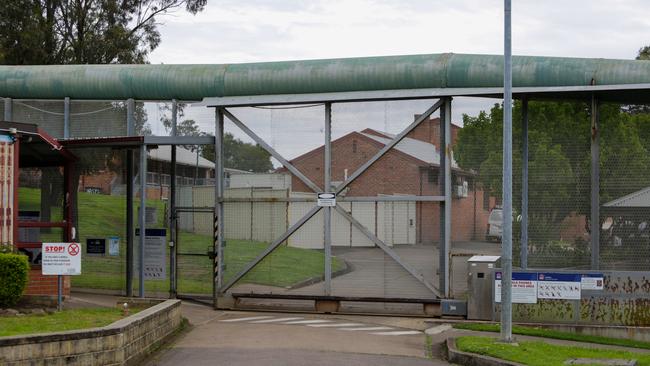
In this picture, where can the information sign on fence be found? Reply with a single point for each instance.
(61, 259)
(524, 287)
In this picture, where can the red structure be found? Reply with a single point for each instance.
(31, 147)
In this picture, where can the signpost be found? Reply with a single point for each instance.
(114, 246)
(524, 287)
(61, 259)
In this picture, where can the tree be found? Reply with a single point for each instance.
(241, 155)
(82, 32)
(559, 157)
(238, 154)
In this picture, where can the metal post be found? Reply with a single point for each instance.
(595, 184)
(327, 212)
(445, 190)
(524, 183)
(142, 216)
(59, 292)
(506, 246)
(130, 117)
(219, 193)
(173, 250)
(8, 109)
(129, 223)
(130, 172)
(66, 117)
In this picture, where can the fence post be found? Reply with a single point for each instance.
(595, 184)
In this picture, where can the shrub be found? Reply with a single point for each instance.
(14, 273)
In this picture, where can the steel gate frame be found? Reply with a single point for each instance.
(444, 199)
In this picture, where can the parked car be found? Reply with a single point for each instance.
(495, 224)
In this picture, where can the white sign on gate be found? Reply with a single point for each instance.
(61, 259)
(326, 199)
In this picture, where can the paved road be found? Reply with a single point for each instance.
(250, 338)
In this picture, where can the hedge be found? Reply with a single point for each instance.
(14, 273)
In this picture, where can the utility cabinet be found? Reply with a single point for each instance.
(480, 286)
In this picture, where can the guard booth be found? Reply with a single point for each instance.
(480, 286)
(25, 151)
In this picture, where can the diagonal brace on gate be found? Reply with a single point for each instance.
(390, 145)
(272, 151)
(387, 249)
(271, 248)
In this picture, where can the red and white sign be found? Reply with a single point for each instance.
(61, 259)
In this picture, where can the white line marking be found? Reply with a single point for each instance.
(396, 333)
(308, 322)
(245, 319)
(368, 328)
(273, 320)
(335, 325)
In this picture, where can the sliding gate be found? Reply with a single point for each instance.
(356, 207)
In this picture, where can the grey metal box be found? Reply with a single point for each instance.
(453, 307)
(480, 286)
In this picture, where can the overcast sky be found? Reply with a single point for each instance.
(234, 31)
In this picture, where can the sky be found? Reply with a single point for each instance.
(231, 31)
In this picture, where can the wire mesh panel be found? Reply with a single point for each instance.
(624, 185)
(100, 217)
(48, 115)
(264, 200)
(97, 119)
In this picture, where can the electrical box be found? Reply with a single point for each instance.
(480, 286)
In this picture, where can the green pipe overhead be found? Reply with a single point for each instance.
(194, 82)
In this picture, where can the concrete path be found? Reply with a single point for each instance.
(262, 338)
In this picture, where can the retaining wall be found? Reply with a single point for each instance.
(124, 342)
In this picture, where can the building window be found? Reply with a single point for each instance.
(354, 146)
(432, 176)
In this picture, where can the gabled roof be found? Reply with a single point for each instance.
(418, 149)
(639, 198)
(183, 156)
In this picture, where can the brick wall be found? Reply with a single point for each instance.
(101, 180)
(396, 173)
(40, 285)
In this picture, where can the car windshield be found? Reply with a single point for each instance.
(496, 215)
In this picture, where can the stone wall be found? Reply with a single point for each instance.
(124, 342)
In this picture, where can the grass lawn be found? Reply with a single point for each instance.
(59, 321)
(540, 353)
(555, 334)
(101, 216)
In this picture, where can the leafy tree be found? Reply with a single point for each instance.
(238, 154)
(559, 157)
(241, 155)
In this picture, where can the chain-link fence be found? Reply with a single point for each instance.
(385, 236)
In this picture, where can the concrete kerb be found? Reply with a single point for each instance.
(453, 355)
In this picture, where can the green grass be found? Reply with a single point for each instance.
(540, 353)
(555, 334)
(102, 216)
(59, 321)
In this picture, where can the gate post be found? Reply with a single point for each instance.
(218, 200)
(445, 190)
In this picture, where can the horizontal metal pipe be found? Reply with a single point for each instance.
(194, 82)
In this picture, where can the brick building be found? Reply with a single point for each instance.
(191, 169)
(411, 168)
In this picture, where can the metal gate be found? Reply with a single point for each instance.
(194, 265)
(360, 234)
